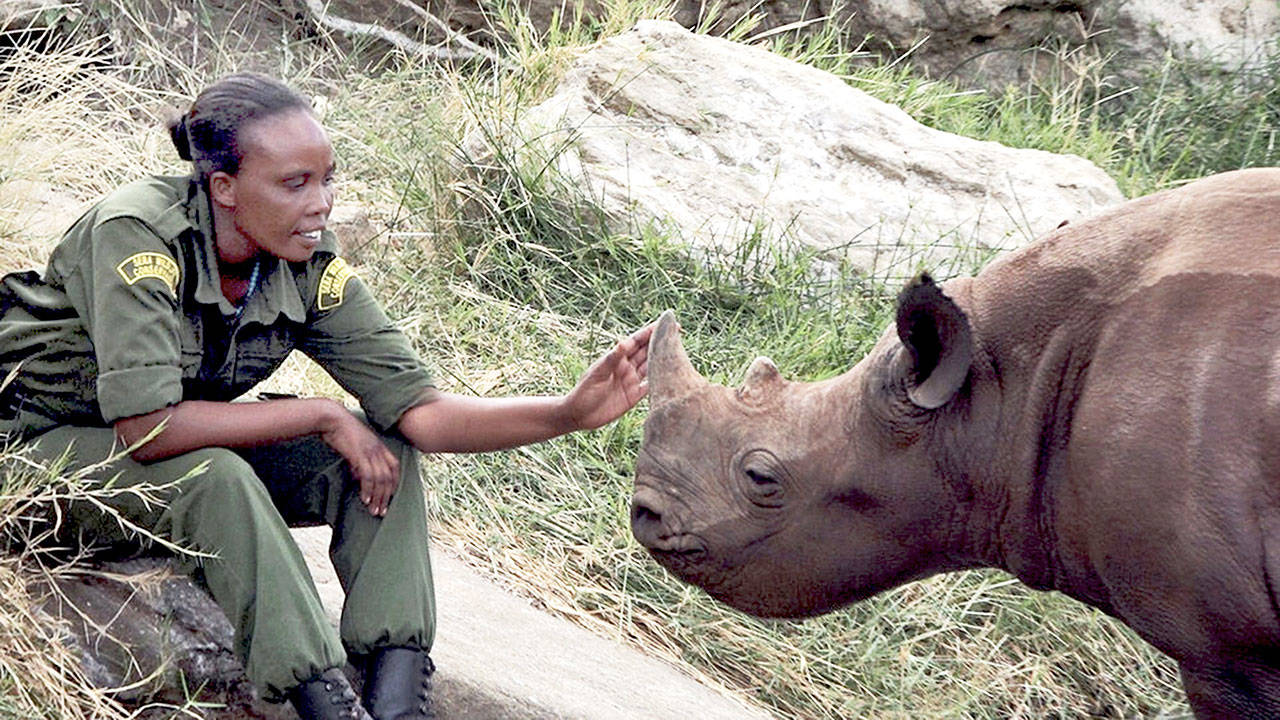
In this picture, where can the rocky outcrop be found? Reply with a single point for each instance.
(714, 141)
(1227, 33)
(990, 43)
(157, 639)
(996, 42)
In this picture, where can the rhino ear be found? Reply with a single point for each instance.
(935, 332)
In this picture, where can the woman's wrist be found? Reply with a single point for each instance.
(326, 414)
(564, 420)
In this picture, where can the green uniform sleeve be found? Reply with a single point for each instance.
(350, 336)
(124, 286)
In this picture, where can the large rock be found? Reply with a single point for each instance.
(1228, 33)
(715, 140)
(996, 42)
(156, 637)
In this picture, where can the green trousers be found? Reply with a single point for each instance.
(238, 509)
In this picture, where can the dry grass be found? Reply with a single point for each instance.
(41, 675)
(72, 128)
(69, 127)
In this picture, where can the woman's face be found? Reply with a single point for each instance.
(280, 199)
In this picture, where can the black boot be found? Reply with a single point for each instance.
(327, 696)
(397, 684)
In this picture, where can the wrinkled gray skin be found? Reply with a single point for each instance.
(1098, 413)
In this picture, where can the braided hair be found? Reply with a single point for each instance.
(209, 133)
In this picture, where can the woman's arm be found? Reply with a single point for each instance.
(194, 424)
(450, 423)
(459, 423)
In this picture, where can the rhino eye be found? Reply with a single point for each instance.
(762, 480)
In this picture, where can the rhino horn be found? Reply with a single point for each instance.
(671, 375)
(761, 376)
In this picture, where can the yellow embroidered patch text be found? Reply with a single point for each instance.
(150, 265)
(333, 283)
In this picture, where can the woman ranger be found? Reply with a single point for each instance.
(173, 296)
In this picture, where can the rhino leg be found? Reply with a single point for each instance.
(1245, 690)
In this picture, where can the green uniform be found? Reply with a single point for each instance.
(129, 318)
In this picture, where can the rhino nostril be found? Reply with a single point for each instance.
(646, 523)
(640, 513)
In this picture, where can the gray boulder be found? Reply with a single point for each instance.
(157, 638)
(996, 42)
(714, 140)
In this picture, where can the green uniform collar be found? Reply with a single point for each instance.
(277, 293)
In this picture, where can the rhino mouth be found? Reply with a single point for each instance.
(686, 563)
(686, 548)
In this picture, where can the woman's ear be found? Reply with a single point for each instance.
(222, 189)
(935, 332)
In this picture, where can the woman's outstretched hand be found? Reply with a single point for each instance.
(613, 384)
(458, 423)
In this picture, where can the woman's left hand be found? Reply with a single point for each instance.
(613, 384)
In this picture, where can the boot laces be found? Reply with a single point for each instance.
(342, 696)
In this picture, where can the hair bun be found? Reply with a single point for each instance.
(181, 136)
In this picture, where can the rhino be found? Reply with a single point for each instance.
(1097, 413)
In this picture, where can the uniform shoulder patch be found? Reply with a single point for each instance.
(333, 284)
(150, 265)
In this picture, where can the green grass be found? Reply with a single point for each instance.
(510, 281)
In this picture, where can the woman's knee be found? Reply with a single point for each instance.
(222, 475)
(221, 501)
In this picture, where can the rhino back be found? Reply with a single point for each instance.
(1224, 224)
(1138, 353)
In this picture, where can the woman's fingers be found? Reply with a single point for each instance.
(379, 477)
(375, 468)
(390, 478)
